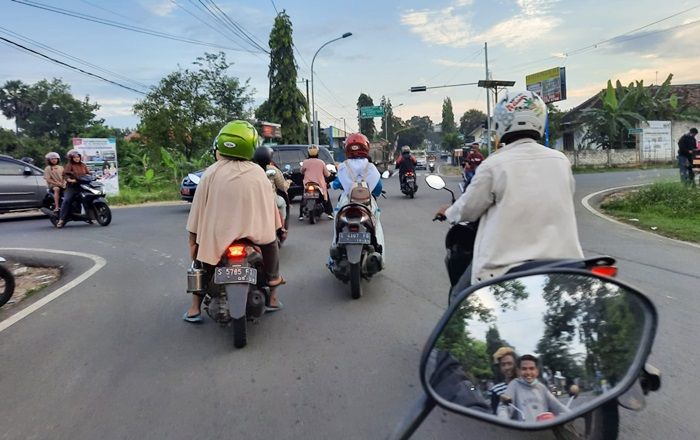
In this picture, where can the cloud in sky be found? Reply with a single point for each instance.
(161, 8)
(453, 63)
(452, 25)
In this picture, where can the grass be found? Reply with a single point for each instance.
(670, 207)
(593, 169)
(135, 196)
(450, 170)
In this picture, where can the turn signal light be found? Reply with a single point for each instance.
(608, 271)
(237, 251)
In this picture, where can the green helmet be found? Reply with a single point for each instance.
(237, 139)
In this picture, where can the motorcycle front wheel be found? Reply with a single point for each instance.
(103, 214)
(7, 285)
(240, 332)
(355, 287)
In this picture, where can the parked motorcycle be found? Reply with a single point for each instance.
(408, 184)
(572, 313)
(357, 251)
(7, 283)
(88, 205)
(238, 289)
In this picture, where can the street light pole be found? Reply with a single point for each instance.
(488, 101)
(313, 97)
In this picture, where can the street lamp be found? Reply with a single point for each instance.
(313, 99)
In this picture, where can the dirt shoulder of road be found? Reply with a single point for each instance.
(29, 280)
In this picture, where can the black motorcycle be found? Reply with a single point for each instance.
(88, 205)
(408, 183)
(313, 201)
(7, 283)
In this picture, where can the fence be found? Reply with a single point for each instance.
(610, 158)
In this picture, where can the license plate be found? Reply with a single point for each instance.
(235, 275)
(311, 195)
(354, 238)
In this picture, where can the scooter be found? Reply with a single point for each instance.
(408, 184)
(312, 198)
(7, 283)
(238, 289)
(573, 301)
(88, 205)
(431, 166)
(356, 252)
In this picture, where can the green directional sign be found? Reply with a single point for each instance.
(635, 130)
(369, 112)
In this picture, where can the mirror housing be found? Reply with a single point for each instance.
(331, 168)
(194, 178)
(287, 168)
(615, 366)
(435, 182)
(27, 171)
(386, 174)
(270, 173)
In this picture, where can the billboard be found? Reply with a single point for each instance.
(100, 156)
(271, 130)
(657, 142)
(549, 84)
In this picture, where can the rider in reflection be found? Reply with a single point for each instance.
(449, 380)
(504, 358)
(528, 395)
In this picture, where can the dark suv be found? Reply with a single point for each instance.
(293, 155)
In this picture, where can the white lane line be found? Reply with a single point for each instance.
(586, 204)
(99, 264)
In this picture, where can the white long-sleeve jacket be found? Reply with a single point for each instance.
(523, 196)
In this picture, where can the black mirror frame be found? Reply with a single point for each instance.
(627, 381)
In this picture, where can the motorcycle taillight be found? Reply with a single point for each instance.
(608, 271)
(310, 188)
(236, 251)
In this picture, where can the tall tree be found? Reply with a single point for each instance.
(286, 104)
(187, 108)
(554, 120)
(366, 125)
(470, 120)
(15, 102)
(448, 117)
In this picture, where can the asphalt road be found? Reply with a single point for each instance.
(112, 358)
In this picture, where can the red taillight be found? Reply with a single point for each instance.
(354, 228)
(409, 173)
(310, 188)
(237, 251)
(608, 271)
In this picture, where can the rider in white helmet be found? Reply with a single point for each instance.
(522, 195)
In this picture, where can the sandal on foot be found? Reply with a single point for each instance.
(194, 319)
(274, 284)
(270, 309)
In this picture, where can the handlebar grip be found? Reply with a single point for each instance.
(439, 217)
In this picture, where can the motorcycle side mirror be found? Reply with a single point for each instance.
(194, 178)
(331, 168)
(270, 173)
(27, 171)
(595, 331)
(386, 174)
(435, 181)
(301, 164)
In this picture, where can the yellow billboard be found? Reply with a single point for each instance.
(550, 84)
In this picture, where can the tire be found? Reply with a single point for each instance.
(240, 332)
(311, 212)
(7, 285)
(355, 287)
(103, 214)
(411, 194)
(54, 220)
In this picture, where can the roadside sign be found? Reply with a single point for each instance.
(370, 112)
(635, 130)
(549, 84)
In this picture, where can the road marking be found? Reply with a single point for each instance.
(99, 264)
(586, 204)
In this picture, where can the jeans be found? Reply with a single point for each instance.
(686, 170)
(68, 196)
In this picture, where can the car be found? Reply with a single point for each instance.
(189, 185)
(288, 158)
(421, 162)
(22, 185)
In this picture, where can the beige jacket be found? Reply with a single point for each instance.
(524, 198)
(314, 170)
(233, 201)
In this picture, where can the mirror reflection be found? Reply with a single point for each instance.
(535, 348)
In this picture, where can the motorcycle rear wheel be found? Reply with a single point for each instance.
(355, 287)
(240, 332)
(103, 214)
(7, 285)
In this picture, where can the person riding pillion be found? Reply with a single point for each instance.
(314, 170)
(74, 170)
(53, 174)
(263, 157)
(405, 162)
(522, 196)
(234, 202)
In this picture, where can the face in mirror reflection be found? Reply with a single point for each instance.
(534, 348)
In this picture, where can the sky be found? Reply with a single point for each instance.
(395, 44)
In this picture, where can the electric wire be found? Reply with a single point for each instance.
(85, 72)
(247, 34)
(119, 25)
(232, 26)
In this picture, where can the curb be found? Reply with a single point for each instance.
(597, 196)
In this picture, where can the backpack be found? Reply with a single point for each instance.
(359, 192)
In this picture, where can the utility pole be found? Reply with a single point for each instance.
(488, 101)
(308, 116)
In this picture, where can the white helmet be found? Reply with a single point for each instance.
(405, 149)
(520, 111)
(52, 155)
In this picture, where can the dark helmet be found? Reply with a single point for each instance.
(263, 156)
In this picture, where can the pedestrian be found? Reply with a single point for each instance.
(686, 146)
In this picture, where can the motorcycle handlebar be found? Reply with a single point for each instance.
(440, 217)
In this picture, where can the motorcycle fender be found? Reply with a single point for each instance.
(237, 299)
(354, 252)
(99, 200)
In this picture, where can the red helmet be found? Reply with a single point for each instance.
(356, 145)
